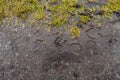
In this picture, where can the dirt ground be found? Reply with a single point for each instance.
(27, 53)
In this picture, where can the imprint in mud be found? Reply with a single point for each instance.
(91, 48)
(59, 61)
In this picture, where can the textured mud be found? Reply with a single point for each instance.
(27, 53)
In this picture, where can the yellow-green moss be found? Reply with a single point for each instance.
(75, 32)
(70, 2)
(23, 8)
(18, 8)
(59, 19)
(2, 9)
(84, 19)
(39, 13)
(59, 15)
(92, 0)
(92, 9)
(112, 6)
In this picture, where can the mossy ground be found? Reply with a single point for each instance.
(59, 11)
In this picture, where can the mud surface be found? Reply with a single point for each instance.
(36, 54)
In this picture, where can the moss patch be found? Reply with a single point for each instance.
(39, 13)
(75, 32)
(84, 19)
(61, 11)
(17, 8)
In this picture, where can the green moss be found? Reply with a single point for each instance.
(23, 9)
(75, 32)
(84, 19)
(92, 9)
(70, 2)
(82, 8)
(60, 12)
(59, 19)
(18, 8)
(2, 9)
(112, 6)
(59, 15)
(92, 1)
(39, 13)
